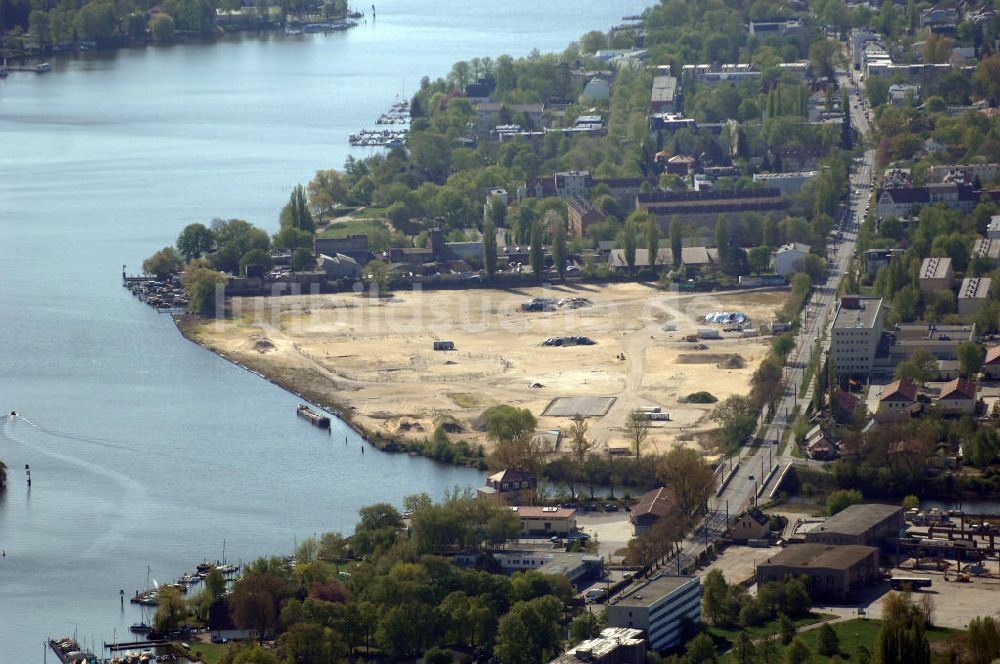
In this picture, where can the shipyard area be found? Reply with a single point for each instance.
(403, 365)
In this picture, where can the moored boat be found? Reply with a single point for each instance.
(43, 67)
(69, 652)
(313, 417)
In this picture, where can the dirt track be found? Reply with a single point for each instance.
(375, 356)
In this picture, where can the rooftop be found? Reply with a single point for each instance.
(935, 267)
(988, 248)
(976, 288)
(822, 556)
(922, 333)
(610, 640)
(537, 512)
(960, 388)
(900, 390)
(993, 355)
(657, 502)
(858, 519)
(857, 312)
(652, 591)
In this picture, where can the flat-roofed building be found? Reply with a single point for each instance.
(941, 341)
(870, 524)
(578, 568)
(789, 184)
(832, 572)
(661, 607)
(935, 273)
(615, 645)
(663, 97)
(857, 332)
(973, 294)
(545, 521)
(987, 249)
(703, 208)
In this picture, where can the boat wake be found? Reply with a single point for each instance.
(107, 443)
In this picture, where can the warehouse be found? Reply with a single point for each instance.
(869, 525)
(832, 572)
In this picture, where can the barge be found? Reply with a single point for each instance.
(313, 417)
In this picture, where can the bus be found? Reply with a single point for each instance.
(911, 582)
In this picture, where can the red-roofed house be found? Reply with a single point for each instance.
(898, 401)
(509, 486)
(957, 397)
(991, 367)
(652, 507)
(546, 521)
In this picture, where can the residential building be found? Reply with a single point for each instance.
(869, 524)
(663, 97)
(901, 94)
(987, 250)
(354, 246)
(339, 266)
(973, 295)
(509, 486)
(993, 229)
(819, 445)
(787, 28)
(661, 607)
(939, 19)
(964, 173)
(690, 256)
(579, 568)
(545, 521)
(789, 184)
(785, 258)
(615, 645)
(709, 75)
(902, 202)
(857, 332)
(833, 572)
(898, 401)
(935, 274)
(490, 112)
(991, 366)
(681, 164)
(581, 215)
(957, 397)
(941, 341)
(481, 91)
(653, 506)
(752, 525)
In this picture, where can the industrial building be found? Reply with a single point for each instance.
(941, 341)
(660, 607)
(580, 569)
(615, 645)
(832, 572)
(652, 507)
(871, 524)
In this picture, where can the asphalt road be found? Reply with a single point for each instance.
(760, 467)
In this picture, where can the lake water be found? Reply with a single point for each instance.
(146, 449)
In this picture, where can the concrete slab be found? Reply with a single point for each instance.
(573, 406)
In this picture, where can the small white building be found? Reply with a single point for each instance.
(785, 257)
(935, 273)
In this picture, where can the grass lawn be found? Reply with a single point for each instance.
(851, 634)
(211, 653)
(373, 213)
(729, 634)
(352, 226)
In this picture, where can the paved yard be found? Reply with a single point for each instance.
(612, 529)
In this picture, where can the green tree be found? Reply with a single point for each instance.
(536, 252)
(689, 478)
(171, 609)
(652, 234)
(715, 597)
(585, 626)
(911, 502)
(580, 446)
(509, 423)
(204, 288)
(195, 241)
(259, 258)
(786, 628)
(40, 28)
(798, 652)
(296, 212)
(292, 238)
(737, 419)
(559, 251)
(841, 499)
(248, 653)
(627, 241)
(759, 259)
(530, 632)
(490, 248)
(919, 368)
(743, 650)
(829, 644)
(676, 240)
(163, 264)
(378, 274)
(302, 260)
(700, 650)
(161, 28)
(970, 358)
(328, 189)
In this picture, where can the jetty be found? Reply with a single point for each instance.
(132, 645)
(398, 114)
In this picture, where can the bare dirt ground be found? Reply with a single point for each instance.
(374, 357)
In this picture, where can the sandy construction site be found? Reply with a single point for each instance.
(374, 358)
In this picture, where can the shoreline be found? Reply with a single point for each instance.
(184, 322)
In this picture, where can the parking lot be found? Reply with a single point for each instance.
(611, 529)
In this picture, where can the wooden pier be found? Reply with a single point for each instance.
(132, 645)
